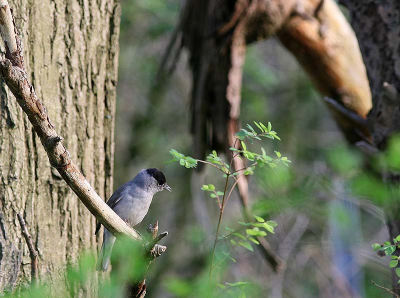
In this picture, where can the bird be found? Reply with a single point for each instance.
(131, 202)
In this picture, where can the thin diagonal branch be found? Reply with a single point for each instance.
(386, 289)
(32, 251)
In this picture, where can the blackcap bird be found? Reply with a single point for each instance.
(131, 202)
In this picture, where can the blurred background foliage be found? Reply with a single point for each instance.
(325, 229)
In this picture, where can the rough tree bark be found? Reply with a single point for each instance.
(377, 26)
(71, 52)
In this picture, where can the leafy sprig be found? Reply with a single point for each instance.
(389, 249)
(259, 228)
(251, 134)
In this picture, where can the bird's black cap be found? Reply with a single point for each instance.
(157, 174)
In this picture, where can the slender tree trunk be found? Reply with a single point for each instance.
(71, 52)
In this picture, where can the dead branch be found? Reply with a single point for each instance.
(32, 251)
(14, 73)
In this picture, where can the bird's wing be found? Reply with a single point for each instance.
(112, 202)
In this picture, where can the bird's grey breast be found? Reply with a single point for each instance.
(134, 203)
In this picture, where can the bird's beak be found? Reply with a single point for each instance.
(166, 186)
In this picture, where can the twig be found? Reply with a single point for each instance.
(16, 78)
(32, 251)
(230, 192)
(221, 212)
(386, 289)
(210, 164)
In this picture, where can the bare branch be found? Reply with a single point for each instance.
(32, 251)
(7, 27)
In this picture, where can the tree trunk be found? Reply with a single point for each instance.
(377, 26)
(71, 52)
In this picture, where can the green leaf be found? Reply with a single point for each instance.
(229, 256)
(258, 125)
(249, 155)
(246, 245)
(394, 257)
(253, 240)
(376, 246)
(269, 126)
(392, 263)
(213, 158)
(212, 195)
(251, 232)
(238, 284)
(264, 127)
(390, 249)
(191, 162)
(220, 193)
(251, 128)
(243, 145)
(211, 187)
(204, 187)
(239, 235)
(272, 223)
(398, 238)
(246, 224)
(258, 224)
(248, 171)
(233, 242)
(269, 228)
(241, 135)
(398, 272)
(176, 154)
(258, 218)
(255, 232)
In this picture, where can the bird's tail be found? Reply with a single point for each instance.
(105, 252)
